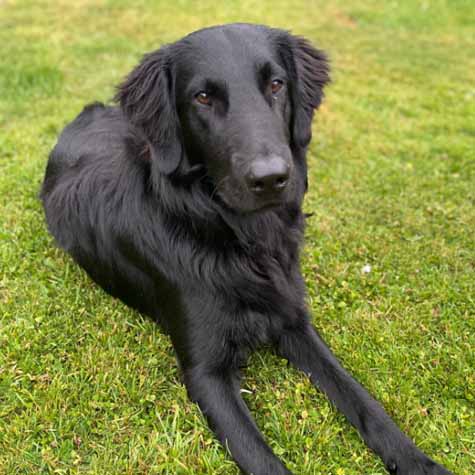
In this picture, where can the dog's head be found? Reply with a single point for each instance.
(237, 100)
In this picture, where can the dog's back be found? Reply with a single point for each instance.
(90, 179)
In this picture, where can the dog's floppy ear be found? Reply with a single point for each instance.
(309, 74)
(147, 98)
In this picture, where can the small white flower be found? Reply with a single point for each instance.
(366, 269)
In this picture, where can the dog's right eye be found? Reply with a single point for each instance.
(203, 98)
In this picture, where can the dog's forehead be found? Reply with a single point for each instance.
(226, 50)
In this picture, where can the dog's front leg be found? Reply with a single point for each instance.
(305, 349)
(219, 398)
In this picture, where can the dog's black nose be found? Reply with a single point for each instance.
(268, 175)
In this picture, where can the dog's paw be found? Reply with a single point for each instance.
(414, 462)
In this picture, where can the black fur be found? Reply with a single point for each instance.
(151, 199)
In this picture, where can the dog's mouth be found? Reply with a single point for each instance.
(243, 202)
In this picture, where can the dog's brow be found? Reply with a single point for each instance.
(208, 84)
(264, 70)
(215, 85)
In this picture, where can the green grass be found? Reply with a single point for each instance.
(89, 386)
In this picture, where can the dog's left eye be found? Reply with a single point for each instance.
(276, 86)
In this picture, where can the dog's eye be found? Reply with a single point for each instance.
(203, 98)
(276, 86)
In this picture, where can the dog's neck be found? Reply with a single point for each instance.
(207, 220)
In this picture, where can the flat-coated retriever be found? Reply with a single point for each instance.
(185, 202)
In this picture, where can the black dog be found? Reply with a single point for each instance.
(185, 203)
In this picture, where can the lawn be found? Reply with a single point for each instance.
(88, 386)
